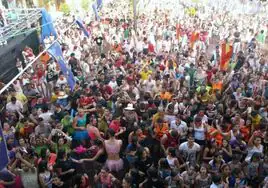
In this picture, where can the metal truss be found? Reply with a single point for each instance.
(18, 21)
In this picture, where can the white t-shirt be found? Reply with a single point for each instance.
(253, 150)
(213, 185)
(139, 46)
(46, 116)
(189, 153)
(182, 127)
(60, 83)
(14, 107)
(29, 178)
(113, 85)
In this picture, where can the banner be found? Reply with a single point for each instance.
(99, 4)
(94, 7)
(3, 150)
(81, 25)
(56, 52)
(47, 26)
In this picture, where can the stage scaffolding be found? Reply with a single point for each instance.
(18, 21)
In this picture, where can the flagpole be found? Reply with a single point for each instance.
(34, 60)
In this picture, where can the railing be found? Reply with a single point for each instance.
(24, 19)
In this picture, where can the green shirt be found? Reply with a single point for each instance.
(261, 38)
(38, 149)
(67, 125)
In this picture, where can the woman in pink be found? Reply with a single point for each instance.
(113, 147)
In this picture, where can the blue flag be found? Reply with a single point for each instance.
(99, 4)
(3, 151)
(96, 12)
(56, 52)
(81, 25)
(47, 25)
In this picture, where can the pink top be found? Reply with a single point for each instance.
(112, 148)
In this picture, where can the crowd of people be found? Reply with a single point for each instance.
(157, 103)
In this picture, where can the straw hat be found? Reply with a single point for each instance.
(129, 107)
(62, 95)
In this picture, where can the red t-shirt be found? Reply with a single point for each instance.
(151, 48)
(84, 101)
(115, 125)
(171, 141)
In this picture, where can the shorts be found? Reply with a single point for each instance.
(200, 142)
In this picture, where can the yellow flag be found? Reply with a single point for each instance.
(191, 11)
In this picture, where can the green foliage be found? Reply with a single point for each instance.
(85, 4)
(46, 2)
(64, 7)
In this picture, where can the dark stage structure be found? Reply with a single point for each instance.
(11, 51)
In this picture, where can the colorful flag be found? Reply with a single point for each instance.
(226, 54)
(3, 151)
(56, 52)
(81, 25)
(47, 25)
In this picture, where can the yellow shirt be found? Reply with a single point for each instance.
(256, 121)
(145, 75)
(156, 117)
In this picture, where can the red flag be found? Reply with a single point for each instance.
(194, 37)
(226, 54)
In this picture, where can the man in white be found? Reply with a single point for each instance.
(181, 127)
(46, 114)
(14, 106)
(43, 128)
(190, 150)
(113, 84)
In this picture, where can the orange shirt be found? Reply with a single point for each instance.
(160, 131)
(44, 58)
(166, 96)
(217, 86)
(245, 131)
(214, 134)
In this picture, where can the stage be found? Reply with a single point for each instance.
(12, 50)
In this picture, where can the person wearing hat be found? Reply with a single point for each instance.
(62, 99)
(130, 115)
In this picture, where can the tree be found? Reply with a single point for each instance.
(85, 4)
(64, 7)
